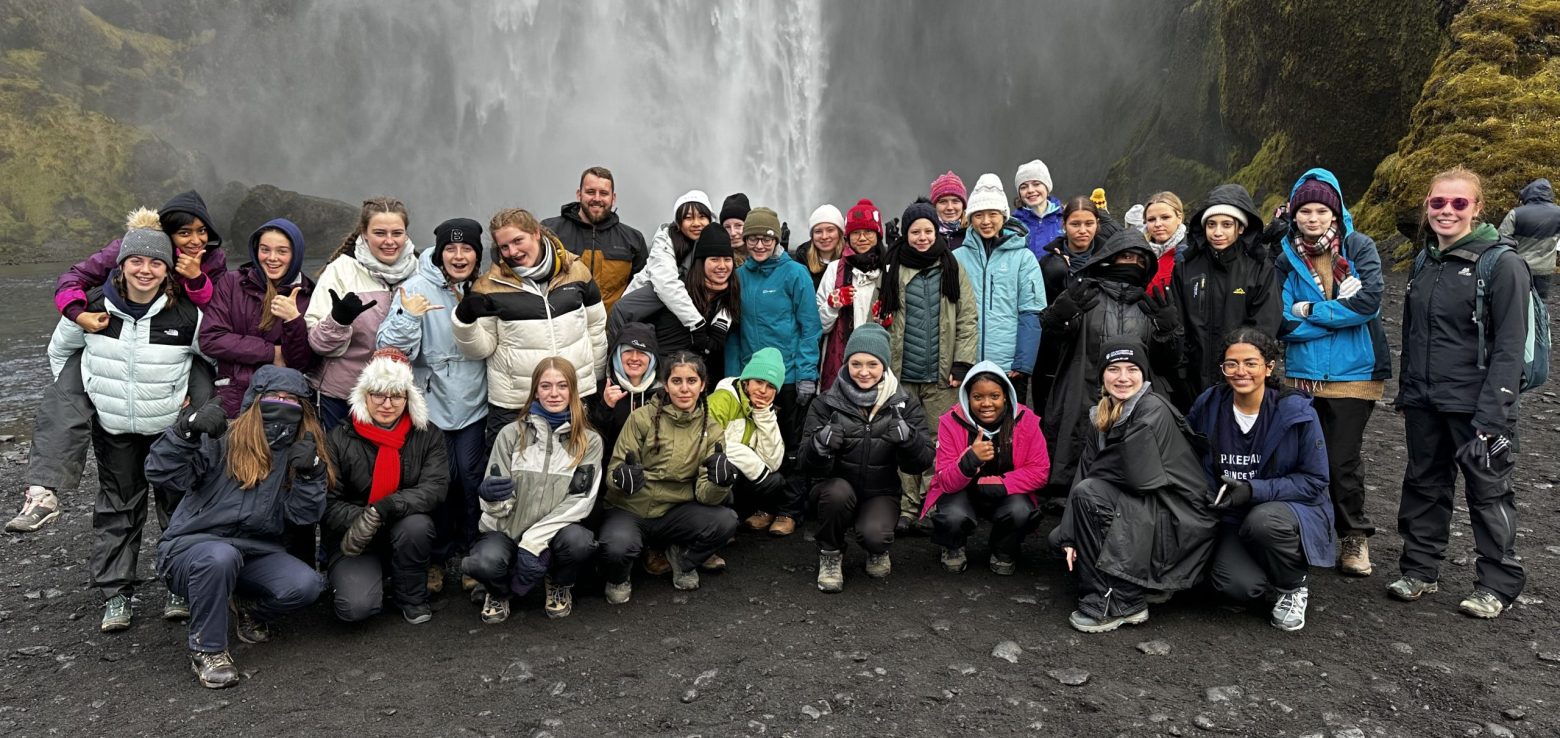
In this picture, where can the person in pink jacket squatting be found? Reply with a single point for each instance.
(64, 426)
(991, 459)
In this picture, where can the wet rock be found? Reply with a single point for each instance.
(34, 650)
(689, 696)
(1154, 648)
(812, 712)
(1523, 599)
(387, 712)
(1025, 599)
(1550, 657)
(1072, 677)
(1349, 733)
(213, 706)
(516, 671)
(1514, 713)
(51, 593)
(322, 220)
(1460, 560)
(558, 688)
(1403, 648)
(33, 595)
(941, 626)
(962, 669)
(7, 438)
(705, 678)
(1498, 730)
(1204, 722)
(1007, 651)
(1223, 694)
(757, 727)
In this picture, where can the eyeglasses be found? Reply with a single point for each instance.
(761, 240)
(1231, 366)
(1458, 203)
(380, 398)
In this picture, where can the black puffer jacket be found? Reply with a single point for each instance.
(1219, 291)
(425, 479)
(867, 460)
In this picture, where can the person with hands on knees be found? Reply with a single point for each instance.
(662, 486)
(1006, 278)
(392, 473)
(1463, 367)
(223, 548)
(847, 293)
(745, 407)
(858, 437)
(1267, 463)
(359, 278)
(991, 460)
(1139, 517)
(541, 485)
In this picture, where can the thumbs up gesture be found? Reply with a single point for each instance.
(286, 306)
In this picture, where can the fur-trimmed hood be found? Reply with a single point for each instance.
(389, 375)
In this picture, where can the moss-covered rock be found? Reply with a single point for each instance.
(1491, 103)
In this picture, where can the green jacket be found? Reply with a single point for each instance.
(542, 467)
(958, 327)
(672, 446)
(753, 441)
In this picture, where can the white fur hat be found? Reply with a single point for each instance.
(987, 194)
(389, 373)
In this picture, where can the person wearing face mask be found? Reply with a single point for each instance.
(733, 211)
(1008, 285)
(1139, 516)
(536, 300)
(455, 386)
(1085, 231)
(991, 460)
(745, 406)
(222, 550)
(1224, 280)
(1035, 207)
(949, 198)
(1165, 229)
(1336, 349)
(1106, 301)
(590, 229)
(928, 306)
(858, 437)
(826, 242)
(671, 259)
(359, 280)
(712, 285)
(847, 293)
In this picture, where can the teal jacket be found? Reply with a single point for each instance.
(1009, 295)
(779, 309)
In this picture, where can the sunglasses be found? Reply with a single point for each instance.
(1458, 203)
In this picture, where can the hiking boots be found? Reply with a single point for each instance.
(246, 625)
(879, 565)
(618, 594)
(1003, 565)
(1090, 624)
(1354, 555)
(560, 600)
(435, 579)
(39, 508)
(1289, 612)
(1482, 604)
(831, 574)
(116, 614)
(176, 608)
(1409, 589)
(417, 614)
(495, 610)
(784, 525)
(714, 563)
(683, 579)
(759, 520)
(214, 670)
(954, 560)
(656, 563)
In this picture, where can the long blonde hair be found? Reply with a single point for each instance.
(579, 423)
(249, 455)
(1108, 412)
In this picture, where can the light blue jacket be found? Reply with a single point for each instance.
(779, 310)
(455, 386)
(1009, 296)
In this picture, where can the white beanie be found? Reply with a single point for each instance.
(697, 196)
(1229, 210)
(1033, 170)
(987, 194)
(826, 213)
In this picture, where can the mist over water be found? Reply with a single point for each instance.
(463, 108)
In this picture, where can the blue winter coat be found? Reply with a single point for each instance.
(1009, 296)
(779, 309)
(1341, 340)
(1043, 229)
(1294, 462)
(455, 386)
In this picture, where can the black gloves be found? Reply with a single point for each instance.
(699, 339)
(1237, 494)
(1483, 449)
(969, 463)
(891, 232)
(528, 570)
(899, 431)
(344, 310)
(208, 420)
(496, 488)
(305, 458)
(475, 306)
(1077, 299)
(584, 478)
(722, 472)
(629, 476)
(1162, 311)
(361, 534)
(828, 439)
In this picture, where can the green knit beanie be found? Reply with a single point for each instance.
(766, 365)
(761, 222)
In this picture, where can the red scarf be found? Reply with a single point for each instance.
(387, 463)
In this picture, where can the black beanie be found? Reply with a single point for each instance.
(713, 241)
(1119, 349)
(456, 230)
(735, 206)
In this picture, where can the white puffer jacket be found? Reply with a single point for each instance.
(137, 372)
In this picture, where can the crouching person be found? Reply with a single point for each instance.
(668, 478)
(392, 473)
(745, 407)
(541, 485)
(1269, 469)
(859, 435)
(991, 459)
(240, 492)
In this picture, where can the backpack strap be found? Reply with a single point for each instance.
(1483, 272)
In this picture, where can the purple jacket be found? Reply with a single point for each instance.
(230, 333)
(70, 290)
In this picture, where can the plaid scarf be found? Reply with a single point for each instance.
(1326, 246)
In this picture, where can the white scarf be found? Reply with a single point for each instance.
(391, 274)
(1170, 245)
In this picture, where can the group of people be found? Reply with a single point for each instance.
(582, 400)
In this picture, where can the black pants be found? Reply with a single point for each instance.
(699, 529)
(1343, 428)
(62, 431)
(359, 580)
(333, 412)
(840, 509)
(1091, 509)
(774, 495)
(1435, 454)
(497, 418)
(456, 518)
(791, 417)
(210, 572)
(493, 556)
(1541, 285)
(1259, 556)
(119, 515)
(1013, 517)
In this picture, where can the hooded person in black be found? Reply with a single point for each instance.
(1535, 224)
(633, 376)
(1224, 280)
(1105, 301)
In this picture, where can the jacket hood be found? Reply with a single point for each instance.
(293, 234)
(575, 212)
(1539, 190)
(1326, 177)
(389, 375)
(636, 336)
(190, 202)
(1014, 235)
(1127, 239)
(272, 378)
(1237, 197)
(1292, 405)
(767, 266)
(981, 369)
